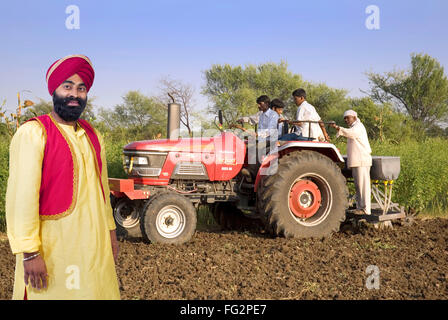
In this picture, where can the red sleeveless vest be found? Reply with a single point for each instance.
(60, 176)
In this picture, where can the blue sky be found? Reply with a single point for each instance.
(133, 44)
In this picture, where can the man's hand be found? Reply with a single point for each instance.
(238, 126)
(114, 243)
(334, 125)
(298, 123)
(35, 271)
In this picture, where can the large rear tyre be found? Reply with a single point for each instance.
(169, 218)
(306, 197)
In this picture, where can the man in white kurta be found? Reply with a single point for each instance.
(307, 112)
(305, 130)
(359, 159)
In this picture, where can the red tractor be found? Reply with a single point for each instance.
(298, 190)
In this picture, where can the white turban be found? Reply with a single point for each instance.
(350, 113)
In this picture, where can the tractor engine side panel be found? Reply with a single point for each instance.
(230, 152)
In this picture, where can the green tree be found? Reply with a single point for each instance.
(234, 89)
(382, 122)
(138, 117)
(324, 98)
(421, 92)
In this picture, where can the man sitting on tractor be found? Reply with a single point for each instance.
(305, 130)
(253, 119)
(266, 135)
(278, 106)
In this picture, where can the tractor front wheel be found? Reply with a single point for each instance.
(169, 218)
(127, 217)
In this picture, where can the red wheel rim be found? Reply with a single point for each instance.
(304, 199)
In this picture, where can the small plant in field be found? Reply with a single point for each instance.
(12, 121)
(378, 244)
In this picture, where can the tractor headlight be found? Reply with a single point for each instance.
(143, 163)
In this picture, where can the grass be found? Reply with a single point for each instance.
(205, 218)
(374, 244)
(433, 214)
(3, 237)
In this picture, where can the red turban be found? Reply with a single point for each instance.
(66, 67)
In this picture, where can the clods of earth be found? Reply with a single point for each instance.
(405, 262)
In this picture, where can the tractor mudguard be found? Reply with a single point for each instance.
(325, 148)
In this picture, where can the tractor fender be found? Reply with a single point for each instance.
(325, 148)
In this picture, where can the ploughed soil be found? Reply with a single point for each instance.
(409, 262)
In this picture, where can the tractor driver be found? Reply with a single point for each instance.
(253, 119)
(267, 135)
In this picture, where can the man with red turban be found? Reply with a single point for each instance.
(58, 214)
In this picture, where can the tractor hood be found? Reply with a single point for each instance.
(222, 156)
(224, 143)
(180, 145)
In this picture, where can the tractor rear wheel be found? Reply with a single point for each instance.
(169, 218)
(306, 197)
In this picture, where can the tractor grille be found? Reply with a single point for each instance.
(146, 172)
(190, 170)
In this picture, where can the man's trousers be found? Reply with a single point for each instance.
(361, 175)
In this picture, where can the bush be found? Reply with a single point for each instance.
(4, 172)
(114, 157)
(423, 181)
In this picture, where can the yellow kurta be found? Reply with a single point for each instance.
(76, 248)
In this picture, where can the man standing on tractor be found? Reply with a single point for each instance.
(58, 213)
(305, 130)
(359, 159)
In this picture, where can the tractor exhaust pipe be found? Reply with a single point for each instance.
(173, 126)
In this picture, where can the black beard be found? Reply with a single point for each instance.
(66, 112)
